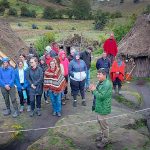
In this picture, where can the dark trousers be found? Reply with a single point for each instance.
(45, 95)
(66, 89)
(22, 101)
(38, 101)
(77, 86)
(117, 82)
(12, 94)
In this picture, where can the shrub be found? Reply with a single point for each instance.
(5, 3)
(43, 41)
(117, 14)
(48, 27)
(27, 13)
(19, 24)
(100, 21)
(2, 9)
(12, 11)
(73, 28)
(60, 14)
(69, 13)
(34, 26)
(147, 10)
(49, 13)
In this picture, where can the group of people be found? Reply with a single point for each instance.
(49, 75)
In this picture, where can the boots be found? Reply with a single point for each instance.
(119, 89)
(75, 103)
(83, 102)
(102, 143)
(32, 113)
(6, 112)
(100, 137)
(15, 114)
(38, 111)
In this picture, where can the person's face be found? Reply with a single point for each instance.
(52, 64)
(104, 55)
(77, 57)
(63, 56)
(42, 62)
(20, 65)
(101, 77)
(5, 64)
(21, 57)
(89, 51)
(72, 53)
(33, 63)
(111, 36)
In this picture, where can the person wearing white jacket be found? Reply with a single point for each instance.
(77, 73)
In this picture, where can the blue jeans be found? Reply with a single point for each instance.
(87, 81)
(56, 101)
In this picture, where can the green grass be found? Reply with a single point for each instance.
(19, 4)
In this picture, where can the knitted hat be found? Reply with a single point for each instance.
(48, 48)
(5, 59)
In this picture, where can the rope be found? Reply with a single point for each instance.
(73, 124)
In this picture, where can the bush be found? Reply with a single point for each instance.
(60, 14)
(69, 13)
(73, 28)
(2, 10)
(49, 13)
(48, 27)
(12, 11)
(117, 14)
(100, 21)
(19, 24)
(5, 3)
(147, 10)
(27, 13)
(42, 42)
(34, 26)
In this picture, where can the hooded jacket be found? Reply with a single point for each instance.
(77, 69)
(110, 47)
(64, 62)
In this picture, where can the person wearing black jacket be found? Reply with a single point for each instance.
(86, 57)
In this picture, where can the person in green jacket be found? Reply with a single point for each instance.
(103, 94)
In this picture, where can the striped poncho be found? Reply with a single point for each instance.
(54, 80)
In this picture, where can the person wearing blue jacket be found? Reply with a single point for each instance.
(77, 73)
(22, 86)
(7, 84)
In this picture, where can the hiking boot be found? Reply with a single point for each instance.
(66, 97)
(83, 103)
(21, 108)
(59, 114)
(74, 103)
(46, 101)
(6, 112)
(28, 108)
(32, 113)
(15, 114)
(103, 143)
(38, 112)
(54, 113)
(100, 137)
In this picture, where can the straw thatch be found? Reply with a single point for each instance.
(137, 42)
(135, 46)
(10, 44)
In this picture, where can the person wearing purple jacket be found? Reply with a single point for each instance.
(7, 79)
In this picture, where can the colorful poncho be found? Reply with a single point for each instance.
(54, 80)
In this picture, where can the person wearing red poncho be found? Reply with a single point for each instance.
(117, 73)
(54, 81)
(110, 47)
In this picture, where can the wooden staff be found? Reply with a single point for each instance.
(130, 72)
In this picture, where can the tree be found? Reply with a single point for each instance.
(49, 13)
(81, 9)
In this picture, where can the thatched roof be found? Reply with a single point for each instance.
(137, 42)
(10, 43)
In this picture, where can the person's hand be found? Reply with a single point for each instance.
(7, 87)
(92, 87)
(33, 86)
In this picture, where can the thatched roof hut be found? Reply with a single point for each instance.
(78, 41)
(136, 45)
(10, 44)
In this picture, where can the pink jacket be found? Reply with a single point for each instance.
(64, 62)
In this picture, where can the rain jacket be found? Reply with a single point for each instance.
(103, 94)
(64, 62)
(116, 68)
